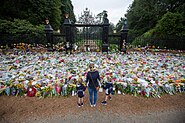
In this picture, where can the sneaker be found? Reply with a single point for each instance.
(82, 104)
(91, 105)
(79, 105)
(110, 98)
(104, 103)
(94, 105)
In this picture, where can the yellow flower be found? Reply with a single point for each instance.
(29, 83)
(170, 81)
(50, 88)
(47, 89)
(37, 85)
(19, 85)
(72, 85)
(183, 80)
(38, 94)
(83, 84)
(135, 79)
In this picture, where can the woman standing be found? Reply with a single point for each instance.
(92, 80)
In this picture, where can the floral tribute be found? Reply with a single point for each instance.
(50, 74)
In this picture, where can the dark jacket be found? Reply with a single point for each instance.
(108, 85)
(80, 87)
(93, 76)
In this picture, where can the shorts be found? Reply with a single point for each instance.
(80, 94)
(108, 91)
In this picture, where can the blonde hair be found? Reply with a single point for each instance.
(91, 65)
(109, 78)
(80, 80)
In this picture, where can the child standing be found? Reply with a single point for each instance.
(108, 90)
(80, 88)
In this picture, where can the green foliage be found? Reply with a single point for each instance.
(149, 33)
(36, 11)
(21, 31)
(20, 26)
(113, 47)
(111, 28)
(143, 15)
(170, 24)
(67, 8)
(119, 25)
(168, 32)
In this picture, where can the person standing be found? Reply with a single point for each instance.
(93, 83)
(80, 91)
(108, 90)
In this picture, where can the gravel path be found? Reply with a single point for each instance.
(127, 108)
(110, 117)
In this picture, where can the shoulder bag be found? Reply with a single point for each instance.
(97, 88)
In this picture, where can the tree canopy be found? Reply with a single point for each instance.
(144, 16)
(36, 11)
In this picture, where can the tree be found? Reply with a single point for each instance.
(170, 24)
(20, 31)
(67, 8)
(143, 15)
(111, 28)
(36, 11)
(20, 26)
(119, 25)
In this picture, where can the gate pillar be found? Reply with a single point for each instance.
(124, 37)
(49, 35)
(106, 24)
(68, 34)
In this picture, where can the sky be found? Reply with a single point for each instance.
(116, 8)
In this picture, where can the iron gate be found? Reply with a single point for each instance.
(90, 34)
(87, 37)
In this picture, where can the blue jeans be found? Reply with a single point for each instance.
(91, 92)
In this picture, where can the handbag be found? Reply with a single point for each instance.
(97, 88)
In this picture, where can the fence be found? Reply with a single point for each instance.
(14, 39)
(168, 42)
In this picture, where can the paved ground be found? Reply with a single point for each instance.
(123, 108)
(110, 117)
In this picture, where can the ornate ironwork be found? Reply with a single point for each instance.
(88, 18)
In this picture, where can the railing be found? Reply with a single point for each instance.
(168, 42)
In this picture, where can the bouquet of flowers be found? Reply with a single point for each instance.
(8, 88)
(128, 89)
(168, 88)
(136, 90)
(156, 91)
(47, 91)
(13, 90)
(71, 89)
(31, 91)
(64, 90)
(20, 89)
(2, 89)
(57, 89)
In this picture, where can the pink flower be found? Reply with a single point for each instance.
(17, 61)
(58, 88)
